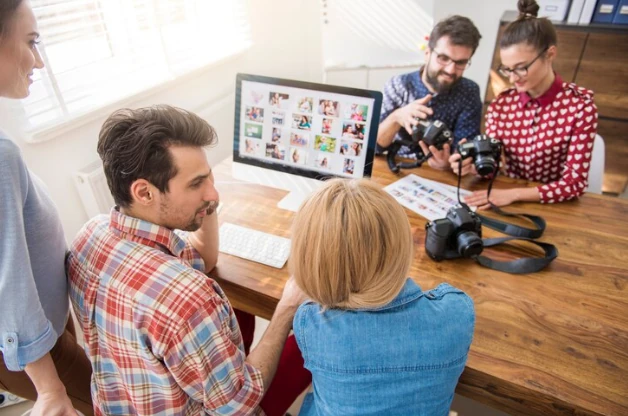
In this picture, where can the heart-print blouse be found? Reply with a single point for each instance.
(548, 139)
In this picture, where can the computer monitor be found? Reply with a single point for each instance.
(293, 134)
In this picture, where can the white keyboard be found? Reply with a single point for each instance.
(257, 246)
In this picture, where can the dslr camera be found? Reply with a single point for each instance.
(433, 133)
(485, 152)
(459, 234)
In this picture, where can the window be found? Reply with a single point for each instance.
(98, 52)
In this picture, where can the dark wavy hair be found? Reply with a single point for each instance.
(460, 30)
(7, 11)
(134, 144)
(529, 29)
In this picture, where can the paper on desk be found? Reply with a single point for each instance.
(428, 198)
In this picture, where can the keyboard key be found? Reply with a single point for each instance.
(254, 245)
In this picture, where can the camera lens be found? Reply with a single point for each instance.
(485, 164)
(469, 244)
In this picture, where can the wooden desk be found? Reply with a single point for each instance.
(550, 343)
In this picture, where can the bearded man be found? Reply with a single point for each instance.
(437, 91)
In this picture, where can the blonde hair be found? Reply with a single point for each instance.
(351, 245)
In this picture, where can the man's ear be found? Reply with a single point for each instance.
(143, 192)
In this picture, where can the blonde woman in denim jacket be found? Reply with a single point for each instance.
(376, 343)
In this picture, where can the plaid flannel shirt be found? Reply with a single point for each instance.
(161, 335)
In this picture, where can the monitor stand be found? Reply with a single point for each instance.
(293, 200)
(299, 187)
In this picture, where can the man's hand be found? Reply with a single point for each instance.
(205, 239)
(467, 165)
(292, 295)
(499, 197)
(407, 116)
(440, 158)
(51, 403)
(265, 356)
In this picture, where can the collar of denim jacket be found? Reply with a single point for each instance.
(409, 292)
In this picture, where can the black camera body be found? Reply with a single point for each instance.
(485, 151)
(459, 234)
(433, 133)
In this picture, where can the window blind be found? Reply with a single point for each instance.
(375, 33)
(98, 52)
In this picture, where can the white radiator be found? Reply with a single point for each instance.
(92, 184)
(93, 190)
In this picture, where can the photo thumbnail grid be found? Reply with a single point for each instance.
(310, 129)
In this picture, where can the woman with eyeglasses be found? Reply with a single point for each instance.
(547, 126)
(39, 357)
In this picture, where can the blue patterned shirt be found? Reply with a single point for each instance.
(459, 108)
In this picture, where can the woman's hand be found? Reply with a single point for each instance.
(52, 398)
(53, 403)
(499, 197)
(467, 165)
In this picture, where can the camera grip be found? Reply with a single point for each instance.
(436, 238)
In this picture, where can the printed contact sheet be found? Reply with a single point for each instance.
(428, 198)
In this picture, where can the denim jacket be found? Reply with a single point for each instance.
(403, 358)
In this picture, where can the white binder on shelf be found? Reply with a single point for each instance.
(587, 12)
(575, 11)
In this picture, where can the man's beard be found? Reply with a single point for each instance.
(438, 86)
(193, 224)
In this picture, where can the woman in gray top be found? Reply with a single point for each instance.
(39, 357)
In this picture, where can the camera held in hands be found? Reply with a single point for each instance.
(486, 152)
(459, 234)
(433, 133)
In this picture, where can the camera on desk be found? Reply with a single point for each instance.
(433, 133)
(459, 234)
(486, 152)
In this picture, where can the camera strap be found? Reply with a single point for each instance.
(415, 149)
(512, 229)
(522, 265)
(507, 228)
(518, 266)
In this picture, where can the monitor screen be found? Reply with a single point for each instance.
(307, 129)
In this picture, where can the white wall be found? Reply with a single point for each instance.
(287, 36)
(375, 32)
(278, 50)
(485, 14)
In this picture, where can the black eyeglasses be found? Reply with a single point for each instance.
(522, 71)
(445, 60)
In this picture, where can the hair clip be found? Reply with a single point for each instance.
(423, 45)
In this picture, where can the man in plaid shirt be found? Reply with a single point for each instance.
(162, 337)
